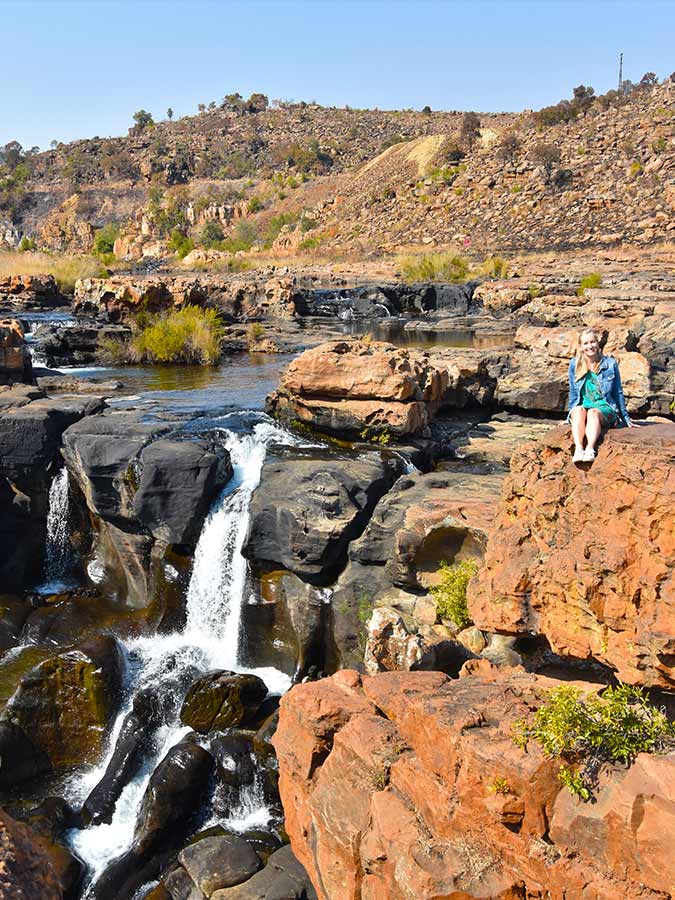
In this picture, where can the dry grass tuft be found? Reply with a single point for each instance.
(65, 269)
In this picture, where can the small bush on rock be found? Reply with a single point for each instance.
(187, 336)
(450, 593)
(593, 280)
(592, 730)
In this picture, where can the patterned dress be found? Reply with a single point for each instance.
(593, 398)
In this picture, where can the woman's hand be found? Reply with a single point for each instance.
(632, 424)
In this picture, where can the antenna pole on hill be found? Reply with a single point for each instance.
(620, 72)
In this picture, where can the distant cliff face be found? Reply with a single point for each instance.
(363, 180)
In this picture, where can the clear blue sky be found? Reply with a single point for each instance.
(79, 69)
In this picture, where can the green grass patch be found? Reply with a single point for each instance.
(589, 731)
(450, 592)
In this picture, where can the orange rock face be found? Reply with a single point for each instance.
(586, 555)
(348, 386)
(25, 869)
(15, 363)
(408, 785)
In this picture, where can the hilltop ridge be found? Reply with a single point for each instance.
(303, 179)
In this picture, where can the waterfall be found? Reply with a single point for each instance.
(209, 640)
(219, 571)
(57, 548)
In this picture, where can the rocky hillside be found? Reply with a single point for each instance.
(339, 181)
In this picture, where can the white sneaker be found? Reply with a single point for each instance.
(579, 455)
(589, 454)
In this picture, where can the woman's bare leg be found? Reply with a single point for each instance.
(578, 425)
(594, 423)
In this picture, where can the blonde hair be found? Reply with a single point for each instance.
(581, 365)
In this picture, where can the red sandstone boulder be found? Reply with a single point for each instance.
(409, 785)
(26, 872)
(586, 555)
(348, 387)
(28, 291)
(15, 361)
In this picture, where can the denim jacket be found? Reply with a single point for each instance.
(610, 383)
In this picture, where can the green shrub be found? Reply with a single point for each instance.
(255, 204)
(310, 243)
(593, 280)
(434, 267)
(591, 730)
(189, 336)
(307, 224)
(104, 239)
(212, 234)
(180, 243)
(246, 233)
(636, 168)
(659, 145)
(256, 331)
(495, 267)
(450, 593)
(275, 226)
(27, 244)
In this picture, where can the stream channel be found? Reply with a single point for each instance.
(227, 400)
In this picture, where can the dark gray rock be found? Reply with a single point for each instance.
(20, 759)
(177, 484)
(69, 345)
(170, 805)
(30, 437)
(219, 862)
(102, 455)
(306, 511)
(283, 878)
(222, 699)
(135, 740)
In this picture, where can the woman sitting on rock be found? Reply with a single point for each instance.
(596, 397)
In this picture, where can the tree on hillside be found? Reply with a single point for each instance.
(426, 110)
(169, 114)
(257, 103)
(547, 157)
(11, 154)
(509, 147)
(201, 107)
(54, 144)
(649, 79)
(470, 130)
(232, 102)
(212, 104)
(142, 119)
(583, 96)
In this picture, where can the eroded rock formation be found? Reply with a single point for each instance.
(585, 555)
(357, 388)
(409, 785)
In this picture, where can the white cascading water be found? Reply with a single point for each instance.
(209, 640)
(57, 547)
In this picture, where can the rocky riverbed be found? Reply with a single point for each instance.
(181, 546)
